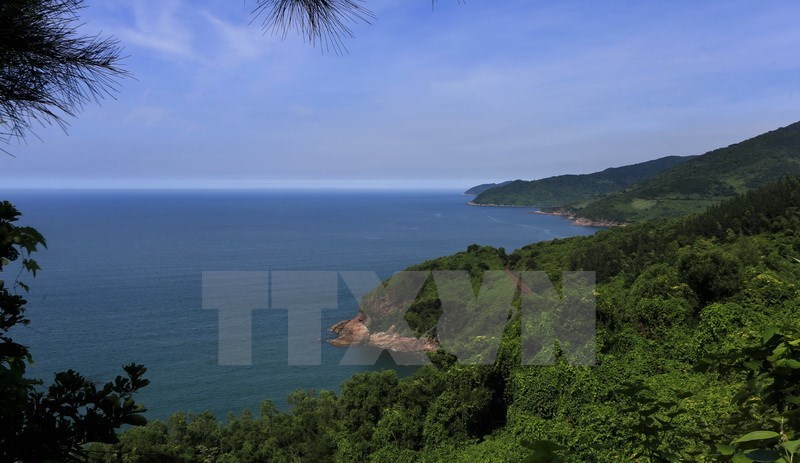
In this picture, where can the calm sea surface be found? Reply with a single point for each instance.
(121, 279)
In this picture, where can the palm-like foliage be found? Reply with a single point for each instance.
(48, 71)
(322, 22)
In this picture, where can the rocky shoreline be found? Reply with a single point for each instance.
(575, 220)
(581, 221)
(355, 332)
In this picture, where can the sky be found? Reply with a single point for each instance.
(444, 97)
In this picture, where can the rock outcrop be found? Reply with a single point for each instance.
(356, 332)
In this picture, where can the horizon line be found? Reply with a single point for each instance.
(243, 186)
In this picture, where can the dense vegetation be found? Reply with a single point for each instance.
(698, 359)
(698, 345)
(562, 190)
(704, 180)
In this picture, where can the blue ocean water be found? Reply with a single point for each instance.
(121, 278)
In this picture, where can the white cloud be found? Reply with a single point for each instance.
(179, 30)
(158, 28)
(237, 43)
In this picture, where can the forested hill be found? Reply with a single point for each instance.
(704, 180)
(478, 189)
(569, 189)
(697, 359)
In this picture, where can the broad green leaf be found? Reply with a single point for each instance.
(757, 435)
(770, 332)
(791, 363)
(780, 350)
(791, 446)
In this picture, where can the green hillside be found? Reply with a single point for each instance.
(697, 348)
(478, 189)
(704, 180)
(569, 189)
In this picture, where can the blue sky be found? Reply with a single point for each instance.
(450, 97)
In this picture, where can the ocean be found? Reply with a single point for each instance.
(121, 278)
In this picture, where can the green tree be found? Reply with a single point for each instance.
(364, 398)
(710, 271)
(770, 398)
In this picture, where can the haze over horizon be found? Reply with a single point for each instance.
(449, 97)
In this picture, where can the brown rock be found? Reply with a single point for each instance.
(351, 332)
(355, 332)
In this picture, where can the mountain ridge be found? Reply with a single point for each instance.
(478, 189)
(562, 190)
(702, 181)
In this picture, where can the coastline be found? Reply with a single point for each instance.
(497, 205)
(574, 219)
(581, 221)
(356, 332)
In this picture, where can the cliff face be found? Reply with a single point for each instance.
(356, 332)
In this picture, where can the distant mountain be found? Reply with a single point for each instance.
(570, 189)
(704, 180)
(476, 190)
